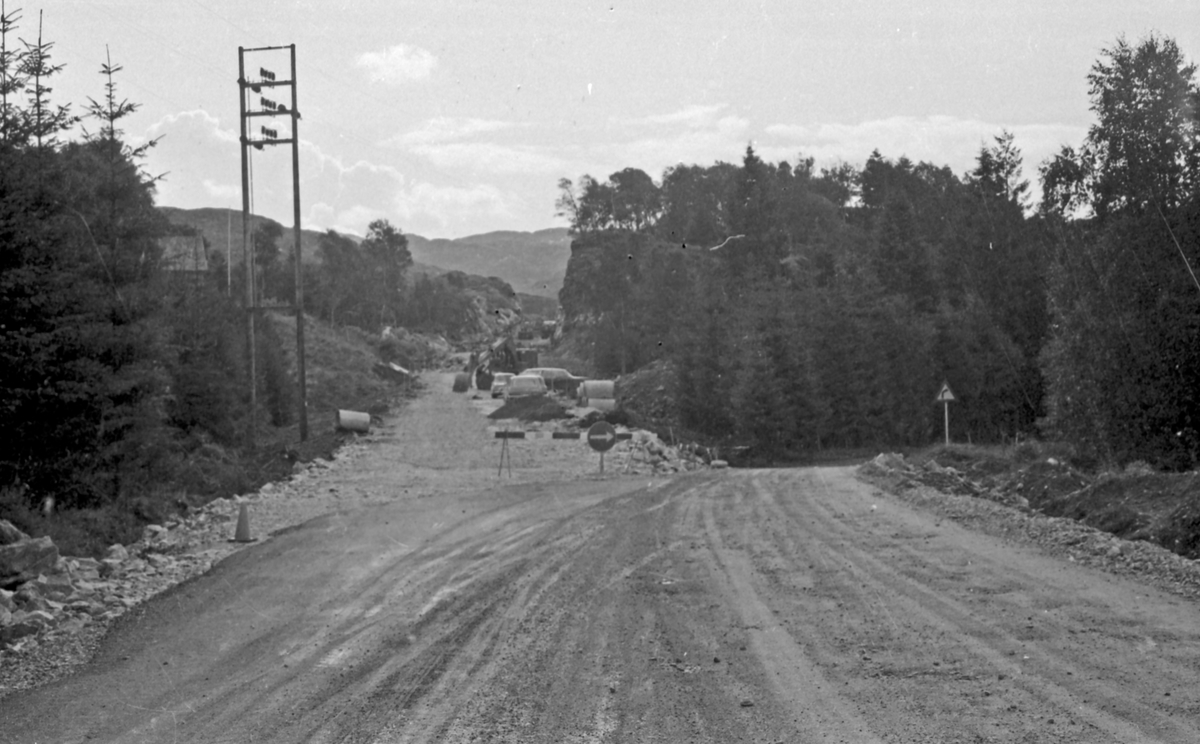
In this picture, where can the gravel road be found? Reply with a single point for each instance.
(439, 602)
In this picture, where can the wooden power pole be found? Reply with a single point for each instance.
(268, 107)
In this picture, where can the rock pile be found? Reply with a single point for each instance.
(945, 479)
(646, 454)
(47, 595)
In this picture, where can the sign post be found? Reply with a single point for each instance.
(601, 436)
(505, 455)
(944, 397)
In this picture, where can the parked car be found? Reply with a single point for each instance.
(499, 382)
(557, 379)
(523, 385)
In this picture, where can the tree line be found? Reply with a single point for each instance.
(126, 379)
(805, 309)
(368, 283)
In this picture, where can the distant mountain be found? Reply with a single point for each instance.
(532, 262)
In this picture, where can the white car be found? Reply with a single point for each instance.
(557, 379)
(499, 382)
(523, 385)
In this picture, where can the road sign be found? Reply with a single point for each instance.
(602, 436)
(944, 397)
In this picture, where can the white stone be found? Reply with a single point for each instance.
(116, 553)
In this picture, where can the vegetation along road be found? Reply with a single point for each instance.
(797, 605)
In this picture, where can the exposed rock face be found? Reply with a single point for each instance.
(10, 534)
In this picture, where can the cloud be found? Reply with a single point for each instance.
(397, 64)
(450, 202)
(222, 192)
(346, 220)
(941, 140)
(692, 116)
(490, 157)
(196, 126)
(446, 129)
(199, 158)
(718, 140)
(446, 143)
(704, 137)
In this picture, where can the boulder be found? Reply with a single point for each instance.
(56, 587)
(85, 569)
(18, 628)
(10, 534)
(84, 589)
(23, 624)
(116, 553)
(28, 598)
(159, 561)
(24, 560)
(6, 600)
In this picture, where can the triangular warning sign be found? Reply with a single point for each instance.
(944, 394)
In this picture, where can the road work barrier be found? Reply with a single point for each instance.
(354, 421)
(502, 434)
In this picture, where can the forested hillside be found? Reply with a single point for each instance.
(125, 366)
(804, 309)
(367, 282)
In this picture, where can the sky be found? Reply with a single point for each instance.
(457, 117)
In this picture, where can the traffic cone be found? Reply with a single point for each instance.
(243, 526)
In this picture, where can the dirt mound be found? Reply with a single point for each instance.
(1042, 482)
(1138, 504)
(649, 392)
(971, 460)
(1162, 508)
(531, 408)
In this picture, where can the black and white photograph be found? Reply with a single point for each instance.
(573, 372)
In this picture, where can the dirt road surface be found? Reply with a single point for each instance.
(557, 606)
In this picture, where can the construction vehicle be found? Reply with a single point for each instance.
(502, 355)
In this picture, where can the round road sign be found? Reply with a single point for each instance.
(601, 436)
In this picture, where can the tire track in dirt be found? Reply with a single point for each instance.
(772, 605)
(796, 681)
(888, 614)
(1080, 682)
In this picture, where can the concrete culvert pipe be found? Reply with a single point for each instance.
(597, 389)
(602, 404)
(354, 421)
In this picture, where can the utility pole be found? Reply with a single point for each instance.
(247, 257)
(270, 136)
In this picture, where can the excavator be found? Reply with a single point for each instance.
(502, 355)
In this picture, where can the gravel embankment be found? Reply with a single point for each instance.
(1058, 536)
(168, 555)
